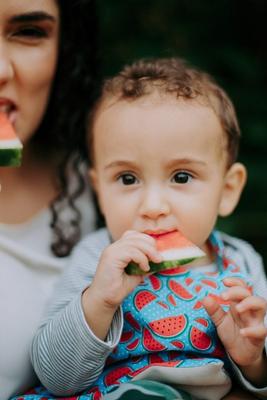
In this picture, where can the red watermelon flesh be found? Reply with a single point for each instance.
(175, 250)
(132, 346)
(132, 321)
(126, 336)
(112, 377)
(178, 344)
(169, 326)
(155, 282)
(151, 344)
(143, 298)
(179, 290)
(199, 340)
(10, 145)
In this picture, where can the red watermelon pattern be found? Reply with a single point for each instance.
(169, 326)
(143, 298)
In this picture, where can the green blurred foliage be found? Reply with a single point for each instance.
(228, 39)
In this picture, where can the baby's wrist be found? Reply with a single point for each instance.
(97, 313)
(92, 299)
(256, 371)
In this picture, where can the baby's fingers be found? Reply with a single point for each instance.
(234, 281)
(236, 293)
(258, 332)
(214, 310)
(253, 303)
(139, 258)
(145, 243)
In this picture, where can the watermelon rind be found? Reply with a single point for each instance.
(134, 269)
(182, 253)
(174, 249)
(10, 157)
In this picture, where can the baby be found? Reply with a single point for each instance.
(163, 143)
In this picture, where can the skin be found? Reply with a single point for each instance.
(29, 35)
(160, 165)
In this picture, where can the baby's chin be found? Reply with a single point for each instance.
(210, 256)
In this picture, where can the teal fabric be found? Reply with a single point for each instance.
(147, 390)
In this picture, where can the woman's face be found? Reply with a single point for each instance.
(29, 35)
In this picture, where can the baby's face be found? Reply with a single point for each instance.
(160, 165)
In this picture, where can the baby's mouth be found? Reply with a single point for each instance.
(159, 233)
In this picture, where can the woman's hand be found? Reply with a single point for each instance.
(241, 329)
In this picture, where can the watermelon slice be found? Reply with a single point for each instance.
(175, 250)
(10, 145)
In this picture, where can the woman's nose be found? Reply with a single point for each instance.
(6, 68)
(154, 204)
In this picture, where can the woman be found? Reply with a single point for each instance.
(47, 71)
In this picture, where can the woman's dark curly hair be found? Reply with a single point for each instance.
(63, 128)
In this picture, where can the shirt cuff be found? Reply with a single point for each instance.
(261, 392)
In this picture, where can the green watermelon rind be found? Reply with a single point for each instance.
(134, 269)
(10, 157)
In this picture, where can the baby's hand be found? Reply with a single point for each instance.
(111, 283)
(241, 328)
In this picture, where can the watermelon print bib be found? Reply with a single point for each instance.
(166, 325)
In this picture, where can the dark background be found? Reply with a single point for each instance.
(228, 38)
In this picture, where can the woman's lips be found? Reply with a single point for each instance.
(8, 107)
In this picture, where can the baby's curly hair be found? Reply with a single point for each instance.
(175, 77)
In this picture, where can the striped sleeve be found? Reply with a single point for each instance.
(66, 355)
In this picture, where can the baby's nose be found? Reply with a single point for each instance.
(154, 204)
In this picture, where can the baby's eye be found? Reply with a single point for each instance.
(181, 177)
(128, 179)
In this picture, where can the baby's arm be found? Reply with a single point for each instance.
(242, 330)
(66, 355)
(84, 323)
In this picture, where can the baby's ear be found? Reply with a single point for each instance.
(234, 183)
